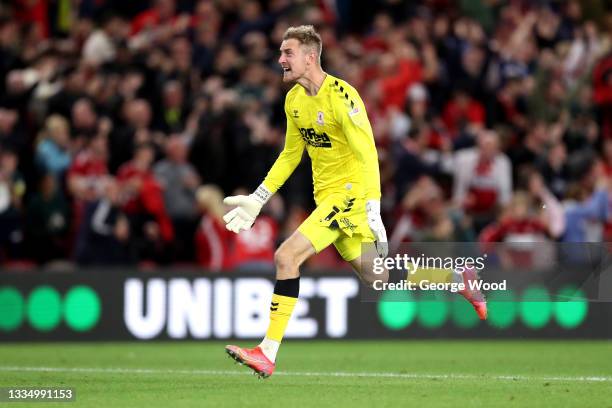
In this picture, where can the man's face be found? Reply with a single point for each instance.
(294, 59)
(488, 144)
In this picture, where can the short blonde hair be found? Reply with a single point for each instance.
(306, 35)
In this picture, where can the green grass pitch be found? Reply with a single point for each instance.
(436, 373)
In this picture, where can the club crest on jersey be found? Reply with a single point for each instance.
(295, 114)
(320, 118)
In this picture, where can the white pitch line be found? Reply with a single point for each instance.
(412, 376)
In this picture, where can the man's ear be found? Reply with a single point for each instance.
(312, 57)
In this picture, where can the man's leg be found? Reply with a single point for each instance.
(360, 252)
(361, 256)
(288, 258)
(311, 237)
(363, 267)
(316, 233)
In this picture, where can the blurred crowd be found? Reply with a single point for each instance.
(124, 123)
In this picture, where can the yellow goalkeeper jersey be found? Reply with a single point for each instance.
(334, 128)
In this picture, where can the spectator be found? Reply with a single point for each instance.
(397, 72)
(523, 221)
(524, 237)
(602, 88)
(72, 90)
(555, 171)
(415, 160)
(47, 222)
(87, 170)
(179, 181)
(482, 179)
(144, 202)
(136, 130)
(163, 12)
(84, 120)
(425, 216)
(173, 112)
(254, 251)
(53, 151)
(585, 214)
(463, 113)
(433, 75)
(104, 236)
(212, 240)
(607, 157)
(10, 135)
(531, 149)
(100, 47)
(12, 190)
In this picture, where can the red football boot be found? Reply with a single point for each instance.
(253, 358)
(474, 296)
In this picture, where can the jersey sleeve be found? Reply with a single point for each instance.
(353, 118)
(289, 158)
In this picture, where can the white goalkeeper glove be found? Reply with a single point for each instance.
(247, 209)
(378, 229)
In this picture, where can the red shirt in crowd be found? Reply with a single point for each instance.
(519, 236)
(394, 87)
(456, 114)
(34, 12)
(213, 244)
(257, 244)
(148, 198)
(482, 194)
(90, 171)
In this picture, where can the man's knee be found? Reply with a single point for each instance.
(291, 254)
(284, 258)
(287, 263)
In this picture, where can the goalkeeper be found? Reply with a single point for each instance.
(325, 116)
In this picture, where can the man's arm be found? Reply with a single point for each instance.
(594, 208)
(289, 158)
(248, 207)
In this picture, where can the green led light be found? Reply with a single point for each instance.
(81, 308)
(503, 309)
(44, 309)
(463, 314)
(571, 307)
(11, 309)
(396, 309)
(432, 309)
(536, 308)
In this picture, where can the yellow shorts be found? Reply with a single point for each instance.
(340, 220)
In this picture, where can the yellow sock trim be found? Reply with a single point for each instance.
(281, 308)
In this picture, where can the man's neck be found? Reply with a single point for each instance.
(313, 82)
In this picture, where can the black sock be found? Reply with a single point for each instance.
(287, 287)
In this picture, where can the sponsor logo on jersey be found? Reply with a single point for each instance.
(315, 139)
